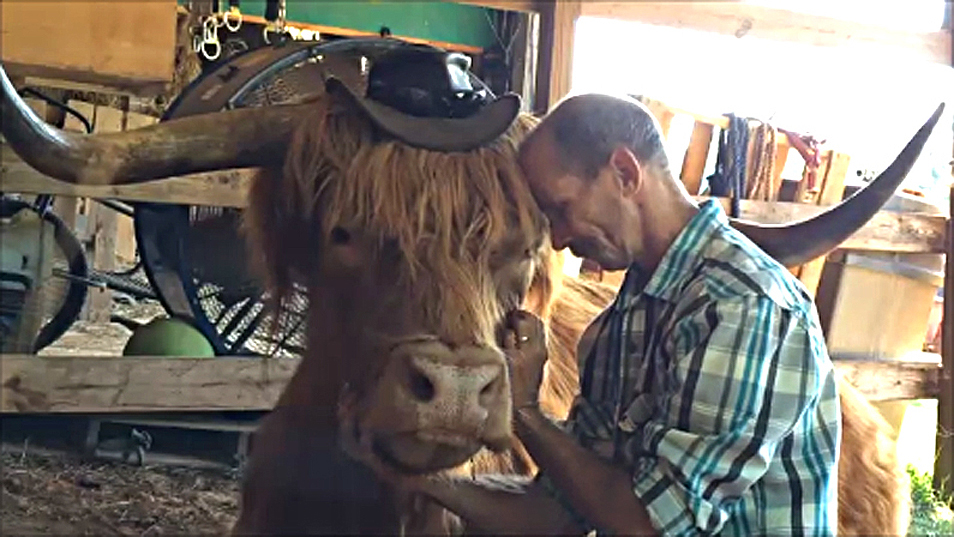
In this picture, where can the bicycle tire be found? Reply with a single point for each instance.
(75, 255)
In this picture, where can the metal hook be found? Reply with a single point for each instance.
(235, 14)
(218, 49)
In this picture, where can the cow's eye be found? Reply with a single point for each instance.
(340, 235)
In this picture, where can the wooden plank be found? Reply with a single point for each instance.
(125, 227)
(694, 163)
(103, 224)
(892, 380)
(742, 19)
(832, 189)
(350, 32)
(886, 231)
(526, 6)
(944, 463)
(224, 189)
(98, 385)
(664, 114)
(141, 384)
(127, 45)
(782, 150)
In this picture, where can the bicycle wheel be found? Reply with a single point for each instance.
(74, 258)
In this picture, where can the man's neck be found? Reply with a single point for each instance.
(665, 221)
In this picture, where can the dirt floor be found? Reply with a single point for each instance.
(62, 495)
(85, 338)
(53, 494)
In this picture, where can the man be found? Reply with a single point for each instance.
(708, 401)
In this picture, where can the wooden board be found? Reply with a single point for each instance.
(743, 19)
(564, 15)
(526, 6)
(886, 231)
(33, 384)
(140, 384)
(350, 32)
(892, 381)
(831, 179)
(125, 44)
(224, 189)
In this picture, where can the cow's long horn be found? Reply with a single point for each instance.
(250, 137)
(799, 242)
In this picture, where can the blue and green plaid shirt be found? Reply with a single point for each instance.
(711, 381)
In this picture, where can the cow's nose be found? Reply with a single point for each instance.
(467, 388)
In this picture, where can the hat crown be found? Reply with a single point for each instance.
(425, 81)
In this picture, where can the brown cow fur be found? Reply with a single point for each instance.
(873, 491)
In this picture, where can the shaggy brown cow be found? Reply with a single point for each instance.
(411, 258)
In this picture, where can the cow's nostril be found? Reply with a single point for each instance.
(421, 387)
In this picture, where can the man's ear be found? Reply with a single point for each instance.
(627, 170)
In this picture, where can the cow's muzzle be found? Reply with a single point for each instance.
(434, 407)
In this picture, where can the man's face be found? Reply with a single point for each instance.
(584, 213)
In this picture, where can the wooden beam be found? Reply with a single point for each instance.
(564, 16)
(526, 6)
(743, 19)
(75, 384)
(832, 190)
(127, 45)
(886, 231)
(891, 380)
(223, 189)
(140, 384)
(351, 32)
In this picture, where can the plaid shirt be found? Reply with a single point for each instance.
(711, 381)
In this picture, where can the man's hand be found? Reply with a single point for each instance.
(525, 345)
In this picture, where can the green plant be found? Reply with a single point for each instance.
(930, 514)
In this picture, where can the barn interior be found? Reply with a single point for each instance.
(132, 331)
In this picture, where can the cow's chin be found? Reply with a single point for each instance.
(425, 452)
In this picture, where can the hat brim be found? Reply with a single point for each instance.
(437, 134)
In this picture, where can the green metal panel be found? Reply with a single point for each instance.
(434, 20)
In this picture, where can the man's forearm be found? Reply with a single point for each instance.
(501, 505)
(599, 491)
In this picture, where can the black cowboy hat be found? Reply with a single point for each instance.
(422, 95)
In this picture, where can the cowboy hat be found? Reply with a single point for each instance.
(422, 95)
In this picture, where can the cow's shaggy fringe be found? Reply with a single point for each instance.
(443, 211)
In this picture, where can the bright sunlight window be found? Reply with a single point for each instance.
(864, 102)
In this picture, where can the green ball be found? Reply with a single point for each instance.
(168, 337)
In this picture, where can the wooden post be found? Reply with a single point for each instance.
(831, 190)
(564, 16)
(944, 462)
(101, 226)
(697, 154)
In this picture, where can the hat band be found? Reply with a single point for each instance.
(421, 102)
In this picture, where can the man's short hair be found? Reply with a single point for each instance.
(588, 128)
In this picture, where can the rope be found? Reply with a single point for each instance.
(729, 177)
(762, 184)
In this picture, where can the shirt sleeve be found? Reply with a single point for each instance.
(743, 373)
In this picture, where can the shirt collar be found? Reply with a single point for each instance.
(680, 259)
